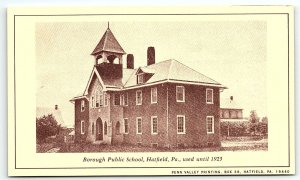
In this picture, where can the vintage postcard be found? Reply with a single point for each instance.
(151, 91)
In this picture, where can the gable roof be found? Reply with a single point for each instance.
(108, 42)
(45, 111)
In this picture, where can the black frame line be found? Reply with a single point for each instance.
(175, 14)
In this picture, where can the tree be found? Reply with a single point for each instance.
(253, 122)
(46, 126)
(263, 126)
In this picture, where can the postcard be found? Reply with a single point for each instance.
(133, 91)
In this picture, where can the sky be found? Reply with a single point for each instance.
(231, 52)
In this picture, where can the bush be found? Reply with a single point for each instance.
(234, 128)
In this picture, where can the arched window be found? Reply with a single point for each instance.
(93, 129)
(105, 128)
(118, 128)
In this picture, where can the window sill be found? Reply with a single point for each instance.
(210, 133)
(179, 101)
(181, 133)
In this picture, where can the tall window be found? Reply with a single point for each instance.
(126, 126)
(105, 128)
(101, 99)
(125, 99)
(82, 105)
(139, 97)
(210, 124)
(93, 129)
(82, 127)
(118, 129)
(209, 96)
(93, 102)
(97, 98)
(105, 99)
(117, 99)
(139, 125)
(140, 78)
(180, 124)
(180, 94)
(154, 129)
(154, 95)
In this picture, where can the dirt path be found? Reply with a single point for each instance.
(245, 143)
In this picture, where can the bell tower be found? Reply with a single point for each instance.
(108, 55)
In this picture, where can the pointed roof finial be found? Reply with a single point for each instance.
(108, 25)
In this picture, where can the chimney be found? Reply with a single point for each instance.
(130, 61)
(231, 98)
(150, 56)
(56, 107)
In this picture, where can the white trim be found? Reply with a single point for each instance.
(125, 126)
(212, 96)
(183, 124)
(82, 131)
(136, 97)
(212, 123)
(90, 80)
(138, 125)
(154, 133)
(183, 94)
(154, 102)
(172, 81)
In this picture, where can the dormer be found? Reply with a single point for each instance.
(143, 74)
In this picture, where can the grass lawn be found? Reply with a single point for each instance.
(228, 144)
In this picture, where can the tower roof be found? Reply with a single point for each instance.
(109, 43)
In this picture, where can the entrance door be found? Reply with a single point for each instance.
(99, 129)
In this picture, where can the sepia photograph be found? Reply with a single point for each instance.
(179, 86)
(151, 91)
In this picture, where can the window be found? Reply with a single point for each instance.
(117, 99)
(126, 125)
(105, 128)
(180, 124)
(105, 99)
(97, 99)
(125, 99)
(209, 96)
(93, 129)
(118, 129)
(210, 124)
(82, 105)
(92, 102)
(82, 127)
(180, 94)
(139, 125)
(154, 125)
(139, 97)
(101, 99)
(154, 145)
(140, 78)
(154, 95)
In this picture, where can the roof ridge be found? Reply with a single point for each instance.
(196, 71)
(105, 38)
(133, 72)
(172, 60)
